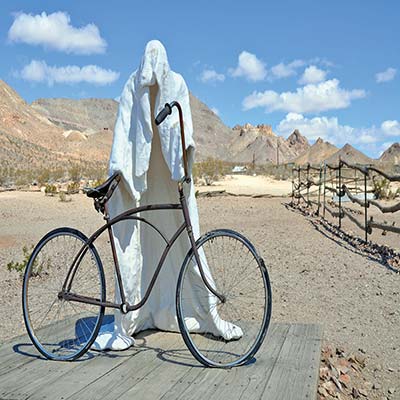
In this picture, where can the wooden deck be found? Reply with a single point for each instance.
(160, 367)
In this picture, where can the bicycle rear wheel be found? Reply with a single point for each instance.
(61, 329)
(224, 333)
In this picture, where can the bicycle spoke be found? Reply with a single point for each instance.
(62, 329)
(237, 274)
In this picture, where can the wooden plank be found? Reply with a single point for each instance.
(298, 363)
(72, 382)
(161, 367)
(117, 381)
(214, 383)
(20, 351)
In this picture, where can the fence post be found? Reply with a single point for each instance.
(340, 193)
(299, 184)
(308, 184)
(292, 187)
(319, 188)
(365, 206)
(324, 188)
(355, 181)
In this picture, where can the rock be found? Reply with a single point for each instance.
(322, 391)
(360, 360)
(363, 392)
(345, 380)
(337, 383)
(355, 393)
(329, 387)
(391, 390)
(324, 373)
(377, 386)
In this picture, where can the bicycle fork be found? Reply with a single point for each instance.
(182, 199)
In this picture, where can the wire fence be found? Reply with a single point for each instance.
(324, 189)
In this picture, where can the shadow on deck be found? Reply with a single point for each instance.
(160, 367)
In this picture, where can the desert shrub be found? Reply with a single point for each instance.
(64, 198)
(22, 179)
(44, 176)
(281, 171)
(50, 190)
(73, 188)
(210, 170)
(75, 173)
(20, 266)
(382, 190)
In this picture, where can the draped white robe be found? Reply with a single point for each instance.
(150, 161)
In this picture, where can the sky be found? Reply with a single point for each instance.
(329, 69)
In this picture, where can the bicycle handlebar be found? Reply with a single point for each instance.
(167, 110)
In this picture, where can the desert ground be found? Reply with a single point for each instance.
(316, 277)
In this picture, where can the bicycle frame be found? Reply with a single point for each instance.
(131, 215)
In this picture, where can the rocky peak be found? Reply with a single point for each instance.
(297, 142)
(259, 130)
(319, 141)
(391, 154)
(297, 138)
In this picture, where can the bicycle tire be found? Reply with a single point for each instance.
(63, 339)
(200, 335)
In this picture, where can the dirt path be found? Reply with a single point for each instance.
(250, 185)
(315, 278)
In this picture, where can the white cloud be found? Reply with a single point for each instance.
(54, 31)
(312, 74)
(209, 75)
(324, 96)
(329, 128)
(313, 128)
(249, 67)
(391, 128)
(386, 76)
(39, 71)
(282, 70)
(215, 110)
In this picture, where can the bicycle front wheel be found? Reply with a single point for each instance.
(224, 332)
(61, 329)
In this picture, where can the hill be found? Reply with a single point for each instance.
(317, 153)
(83, 115)
(349, 154)
(211, 135)
(261, 144)
(20, 121)
(391, 155)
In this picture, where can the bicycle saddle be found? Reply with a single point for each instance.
(103, 189)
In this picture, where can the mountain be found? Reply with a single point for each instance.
(391, 155)
(23, 123)
(317, 153)
(298, 142)
(94, 116)
(261, 144)
(349, 154)
(83, 115)
(211, 135)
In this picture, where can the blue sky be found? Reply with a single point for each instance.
(331, 69)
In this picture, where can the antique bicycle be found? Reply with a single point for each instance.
(64, 287)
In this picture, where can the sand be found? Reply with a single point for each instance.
(316, 278)
(249, 185)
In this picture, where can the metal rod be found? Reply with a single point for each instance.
(298, 190)
(324, 188)
(319, 188)
(365, 208)
(308, 186)
(292, 187)
(340, 193)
